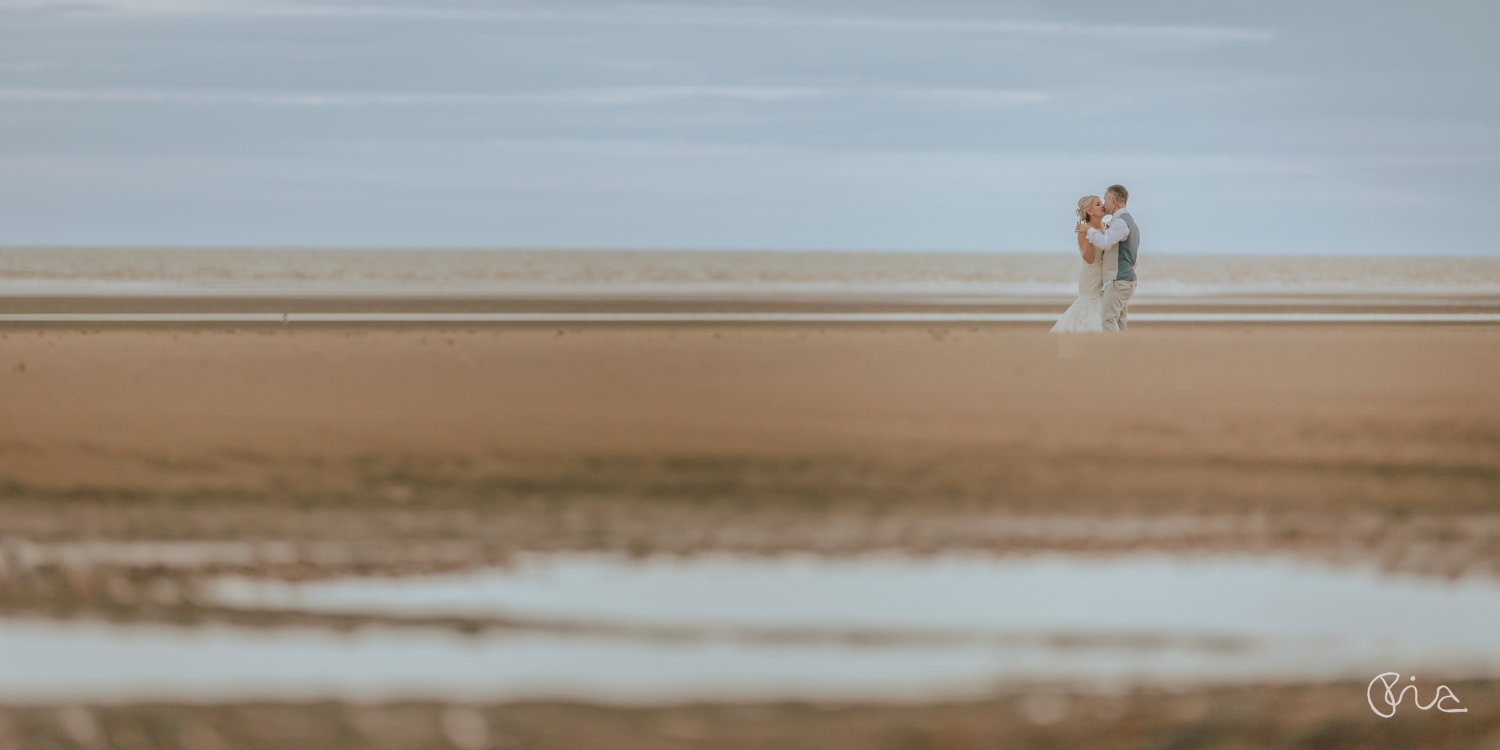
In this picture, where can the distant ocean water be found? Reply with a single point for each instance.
(585, 273)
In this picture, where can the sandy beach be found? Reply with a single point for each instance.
(1389, 420)
(408, 448)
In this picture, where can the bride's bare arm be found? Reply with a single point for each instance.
(1085, 248)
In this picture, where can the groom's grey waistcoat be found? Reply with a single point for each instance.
(1119, 261)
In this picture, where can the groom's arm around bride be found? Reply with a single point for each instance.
(1119, 243)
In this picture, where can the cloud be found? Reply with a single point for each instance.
(653, 16)
(29, 66)
(647, 94)
(626, 95)
(1196, 33)
(599, 96)
(167, 96)
(1002, 97)
(639, 149)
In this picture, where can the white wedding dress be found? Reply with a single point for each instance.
(1084, 316)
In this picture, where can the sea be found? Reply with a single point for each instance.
(939, 277)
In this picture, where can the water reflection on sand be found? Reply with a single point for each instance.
(961, 593)
(719, 627)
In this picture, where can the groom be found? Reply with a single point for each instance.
(1119, 265)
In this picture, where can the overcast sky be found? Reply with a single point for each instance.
(1270, 127)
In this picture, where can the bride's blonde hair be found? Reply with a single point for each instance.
(1084, 204)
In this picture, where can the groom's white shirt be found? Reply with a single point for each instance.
(1108, 242)
(1112, 234)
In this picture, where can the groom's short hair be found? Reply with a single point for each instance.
(1122, 196)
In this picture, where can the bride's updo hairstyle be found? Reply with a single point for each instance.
(1084, 204)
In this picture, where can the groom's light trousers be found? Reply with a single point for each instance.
(1117, 296)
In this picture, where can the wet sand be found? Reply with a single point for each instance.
(1394, 421)
(406, 449)
(1291, 716)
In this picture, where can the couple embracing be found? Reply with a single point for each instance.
(1107, 281)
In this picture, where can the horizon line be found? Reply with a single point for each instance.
(213, 247)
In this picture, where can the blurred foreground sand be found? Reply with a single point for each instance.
(1278, 716)
(407, 449)
(1395, 421)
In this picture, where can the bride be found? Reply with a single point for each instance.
(1084, 315)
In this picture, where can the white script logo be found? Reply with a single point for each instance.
(1395, 700)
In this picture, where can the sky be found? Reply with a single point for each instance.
(1277, 126)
